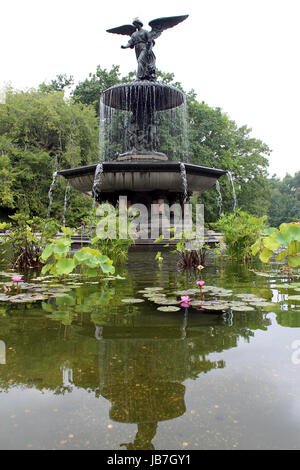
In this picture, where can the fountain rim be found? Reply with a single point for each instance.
(128, 167)
(118, 104)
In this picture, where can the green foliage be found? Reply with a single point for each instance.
(284, 199)
(240, 231)
(90, 90)
(61, 82)
(61, 263)
(25, 239)
(284, 242)
(158, 257)
(190, 250)
(112, 245)
(41, 132)
(217, 141)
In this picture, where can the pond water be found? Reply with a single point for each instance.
(84, 370)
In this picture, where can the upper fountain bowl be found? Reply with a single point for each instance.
(129, 96)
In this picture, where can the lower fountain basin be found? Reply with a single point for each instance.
(143, 177)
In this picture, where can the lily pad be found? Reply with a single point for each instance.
(167, 302)
(153, 288)
(4, 297)
(23, 298)
(5, 274)
(236, 303)
(262, 274)
(245, 308)
(262, 304)
(186, 292)
(250, 297)
(133, 301)
(156, 299)
(196, 303)
(168, 309)
(153, 294)
(212, 307)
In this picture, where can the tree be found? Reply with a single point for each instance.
(40, 133)
(61, 82)
(218, 142)
(284, 199)
(90, 90)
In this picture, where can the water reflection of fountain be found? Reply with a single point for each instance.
(141, 372)
(2, 352)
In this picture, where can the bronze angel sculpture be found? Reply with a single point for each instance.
(143, 41)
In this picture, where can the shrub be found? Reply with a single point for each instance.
(240, 231)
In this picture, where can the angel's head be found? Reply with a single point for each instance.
(137, 23)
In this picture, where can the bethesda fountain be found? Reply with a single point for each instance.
(143, 135)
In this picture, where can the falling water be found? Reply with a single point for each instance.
(220, 201)
(230, 179)
(50, 194)
(97, 181)
(68, 187)
(184, 135)
(184, 181)
(138, 118)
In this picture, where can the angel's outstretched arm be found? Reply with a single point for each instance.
(130, 44)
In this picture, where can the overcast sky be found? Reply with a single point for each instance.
(240, 55)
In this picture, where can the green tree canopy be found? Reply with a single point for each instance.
(41, 132)
(284, 199)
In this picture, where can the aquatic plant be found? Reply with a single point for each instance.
(240, 231)
(200, 284)
(283, 242)
(113, 247)
(17, 280)
(25, 239)
(190, 250)
(61, 262)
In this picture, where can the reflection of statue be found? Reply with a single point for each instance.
(142, 441)
(141, 378)
(143, 41)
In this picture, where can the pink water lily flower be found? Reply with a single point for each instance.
(16, 278)
(200, 283)
(185, 304)
(185, 301)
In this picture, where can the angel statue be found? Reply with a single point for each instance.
(143, 42)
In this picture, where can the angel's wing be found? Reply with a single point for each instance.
(160, 24)
(126, 29)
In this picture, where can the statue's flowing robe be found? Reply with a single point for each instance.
(143, 43)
